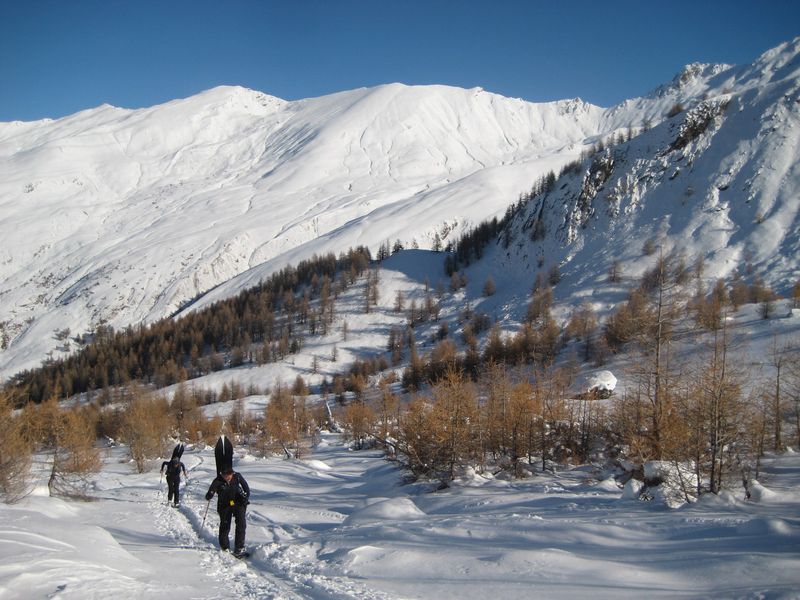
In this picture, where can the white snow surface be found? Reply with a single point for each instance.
(122, 216)
(342, 524)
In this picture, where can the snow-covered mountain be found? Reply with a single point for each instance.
(122, 216)
(717, 181)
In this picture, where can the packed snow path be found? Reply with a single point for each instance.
(263, 574)
(341, 525)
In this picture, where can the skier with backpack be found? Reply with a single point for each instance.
(233, 496)
(174, 467)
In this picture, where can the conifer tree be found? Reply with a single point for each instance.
(454, 419)
(15, 453)
(359, 421)
(489, 288)
(144, 426)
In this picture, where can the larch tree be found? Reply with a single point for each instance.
(721, 392)
(779, 359)
(359, 420)
(519, 417)
(660, 303)
(15, 453)
(281, 422)
(454, 421)
(145, 426)
(67, 435)
(793, 390)
(388, 407)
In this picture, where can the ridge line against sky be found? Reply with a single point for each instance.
(58, 57)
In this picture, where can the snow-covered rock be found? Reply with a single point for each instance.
(633, 487)
(602, 382)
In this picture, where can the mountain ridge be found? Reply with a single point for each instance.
(122, 215)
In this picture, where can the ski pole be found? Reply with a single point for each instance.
(204, 514)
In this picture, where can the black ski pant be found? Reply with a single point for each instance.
(173, 490)
(225, 515)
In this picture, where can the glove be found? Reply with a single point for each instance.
(209, 495)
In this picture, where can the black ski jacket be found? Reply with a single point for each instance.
(173, 470)
(235, 493)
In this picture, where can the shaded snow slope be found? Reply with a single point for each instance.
(122, 216)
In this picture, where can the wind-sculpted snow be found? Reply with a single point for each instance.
(122, 216)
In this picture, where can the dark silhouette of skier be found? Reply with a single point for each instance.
(174, 468)
(233, 496)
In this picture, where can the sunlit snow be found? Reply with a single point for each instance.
(341, 524)
(122, 216)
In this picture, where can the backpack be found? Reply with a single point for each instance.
(174, 470)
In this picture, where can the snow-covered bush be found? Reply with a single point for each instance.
(632, 490)
(670, 483)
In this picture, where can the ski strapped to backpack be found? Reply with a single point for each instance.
(223, 454)
(177, 451)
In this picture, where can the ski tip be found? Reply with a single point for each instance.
(177, 452)
(223, 443)
(223, 454)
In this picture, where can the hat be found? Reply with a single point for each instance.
(227, 470)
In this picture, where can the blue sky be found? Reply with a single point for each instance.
(61, 56)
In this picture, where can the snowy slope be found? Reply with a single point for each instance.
(120, 216)
(728, 193)
(341, 524)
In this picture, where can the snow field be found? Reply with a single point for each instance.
(341, 524)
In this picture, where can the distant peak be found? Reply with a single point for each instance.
(235, 98)
(691, 75)
(237, 92)
(229, 90)
(695, 71)
(570, 106)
